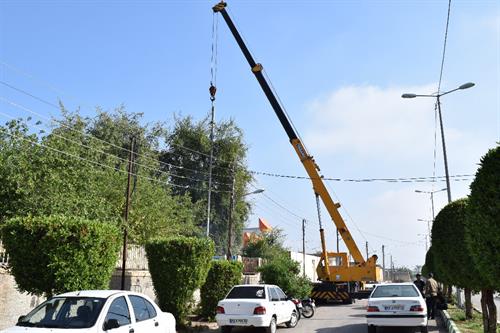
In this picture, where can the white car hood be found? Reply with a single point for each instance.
(21, 329)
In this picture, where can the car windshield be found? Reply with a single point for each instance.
(395, 291)
(64, 312)
(247, 292)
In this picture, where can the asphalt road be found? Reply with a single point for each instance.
(340, 319)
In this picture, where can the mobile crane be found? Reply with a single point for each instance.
(336, 279)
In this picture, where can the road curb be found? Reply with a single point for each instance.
(450, 324)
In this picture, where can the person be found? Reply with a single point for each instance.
(419, 283)
(431, 292)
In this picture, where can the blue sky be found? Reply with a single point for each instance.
(338, 66)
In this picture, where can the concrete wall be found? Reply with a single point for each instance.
(12, 302)
(311, 263)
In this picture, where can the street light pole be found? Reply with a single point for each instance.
(447, 174)
(438, 96)
(229, 254)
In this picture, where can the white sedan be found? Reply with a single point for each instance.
(396, 304)
(96, 311)
(261, 305)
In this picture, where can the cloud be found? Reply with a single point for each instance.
(371, 121)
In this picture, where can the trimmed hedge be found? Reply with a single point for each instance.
(178, 266)
(223, 275)
(55, 254)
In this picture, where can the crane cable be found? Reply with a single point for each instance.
(212, 89)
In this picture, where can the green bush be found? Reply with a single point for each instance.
(178, 266)
(284, 272)
(54, 254)
(223, 275)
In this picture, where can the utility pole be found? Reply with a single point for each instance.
(392, 270)
(127, 207)
(383, 263)
(230, 218)
(303, 247)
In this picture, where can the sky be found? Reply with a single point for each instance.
(339, 67)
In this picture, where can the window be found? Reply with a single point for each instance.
(143, 310)
(395, 291)
(281, 294)
(119, 311)
(274, 295)
(151, 309)
(65, 312)
(247, 292)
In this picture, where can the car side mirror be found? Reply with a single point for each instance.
(111, 324)
(21, 319)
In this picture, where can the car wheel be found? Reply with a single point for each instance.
(293, 320)
(372, 329)
(424, 329)
(272, 326)
(226, 329)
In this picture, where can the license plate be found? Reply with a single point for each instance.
(396, 307)
(238, 321)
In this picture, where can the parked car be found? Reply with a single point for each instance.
(96, 311)
(257, 306)
(396, 304)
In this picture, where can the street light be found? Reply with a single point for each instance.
(426, 246)
(438, 96)
(432, 197)
(428, 224)
(230, 222)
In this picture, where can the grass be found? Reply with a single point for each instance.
(466, 326)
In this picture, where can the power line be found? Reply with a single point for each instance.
(104, 165)
(94, 137)
(460, 177)
(444, 46)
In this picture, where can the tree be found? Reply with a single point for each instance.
(453, 259)
(71, 169)
(187, 159)
(483, 238)
(71, 253)
(284, 272)
(266, 246)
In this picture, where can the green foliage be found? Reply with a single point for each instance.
(55, 254)
(453, 260)
(188, 145)
(483, 224)
(178, 266)
(268, 245)
(284, 272)
(69, 170)
(223, 275)
(429, 265)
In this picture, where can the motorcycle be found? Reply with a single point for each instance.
(305, 308)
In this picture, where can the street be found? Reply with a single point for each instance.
(340, 319)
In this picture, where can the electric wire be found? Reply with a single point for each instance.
(92, 136)
(102, 165)
(115, 156)
(444, 46)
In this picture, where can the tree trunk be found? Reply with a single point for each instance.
(468, 303)
(489, 311)
(449, 292)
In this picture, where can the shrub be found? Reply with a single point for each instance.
(54, 254)
(223, 275)
(284, 272)
(178, 266)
